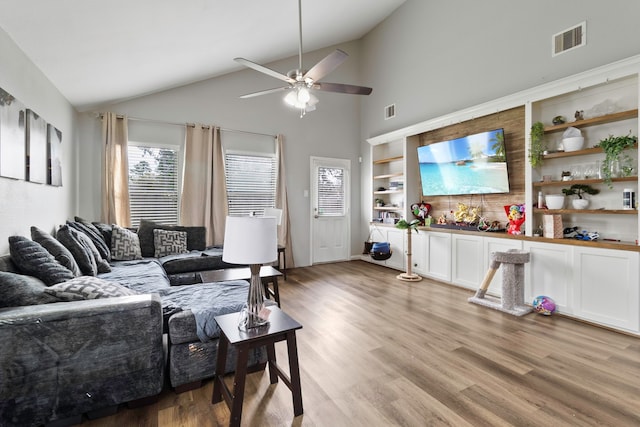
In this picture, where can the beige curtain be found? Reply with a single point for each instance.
(115, 171)
(284, 235)
(204, 194)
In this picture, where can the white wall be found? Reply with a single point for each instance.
(24, 203)
(333, 130)
(431, 58)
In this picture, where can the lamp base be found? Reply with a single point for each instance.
(254, 313)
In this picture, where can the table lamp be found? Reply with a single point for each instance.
(251, 240)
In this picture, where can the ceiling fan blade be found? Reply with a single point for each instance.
(326, 65)
(342, 88)
(263, 69)
(264, 92)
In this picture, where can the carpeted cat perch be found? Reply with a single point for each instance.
(512, 300)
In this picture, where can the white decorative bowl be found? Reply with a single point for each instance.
(573, 144)
(580, 203)
(554, 201)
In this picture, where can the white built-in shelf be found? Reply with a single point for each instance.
(587, 211)
(388, 160)
(389, 175)
(607, 118)
(541, 184)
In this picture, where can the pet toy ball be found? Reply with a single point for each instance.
(544, 305)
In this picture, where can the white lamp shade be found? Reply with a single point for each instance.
(250, 240)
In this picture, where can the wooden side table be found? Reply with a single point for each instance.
(280, 327)
(282, 253)
(268, 274)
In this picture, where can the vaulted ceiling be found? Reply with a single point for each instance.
(102, 51)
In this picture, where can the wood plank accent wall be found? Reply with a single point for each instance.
(492, 205)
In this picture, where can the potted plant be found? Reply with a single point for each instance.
(616, 160)
(404, 225)
(579, 190)
(537, 147)
(379, 203)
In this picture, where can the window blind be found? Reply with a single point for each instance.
(153, 184)
(251, 183)
(331, 191)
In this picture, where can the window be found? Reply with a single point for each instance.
(251, 182)
(331, 194)
(153, 184)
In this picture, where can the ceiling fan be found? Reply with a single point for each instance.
(301, 81)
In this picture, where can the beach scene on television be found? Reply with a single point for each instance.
(473, 164)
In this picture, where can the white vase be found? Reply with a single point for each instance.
(580, 203)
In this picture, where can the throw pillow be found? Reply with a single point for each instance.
(33, 259)
(94, 234)
(87, 287)
(17, 290)
(80, 251)
(57, 249)
(196, 236)
(102, 266)
(168, 242)
(105, 230)
(125, 244)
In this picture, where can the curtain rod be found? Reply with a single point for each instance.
(139, 119)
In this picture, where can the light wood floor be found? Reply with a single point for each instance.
(375, 351)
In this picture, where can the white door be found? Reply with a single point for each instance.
(330, 216)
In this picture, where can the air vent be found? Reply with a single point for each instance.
(569, 39)
(389, 111)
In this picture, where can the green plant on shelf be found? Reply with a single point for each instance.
(537, 147)
(613, 147)
(579, 190)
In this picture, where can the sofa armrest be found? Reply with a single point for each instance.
(63, 359)
(182, 328)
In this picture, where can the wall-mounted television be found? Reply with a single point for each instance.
(473, 164)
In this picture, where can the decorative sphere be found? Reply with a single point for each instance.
(544, 305)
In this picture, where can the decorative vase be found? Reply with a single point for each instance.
(580, 203)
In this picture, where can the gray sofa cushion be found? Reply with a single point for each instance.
(80, 250)
(196, 236)
(57, 249)
(87, 287)
(125, 245)
(34, 260)
(209, 259)
(102, 265)
(94, 234)
(105, 230)
(17, 290)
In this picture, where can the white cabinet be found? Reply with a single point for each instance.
(395, 237)
(467, 267)
(396, 242)
(550, 273)
(419, 242)
(438, 248)
(608, 291)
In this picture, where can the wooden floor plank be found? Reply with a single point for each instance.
(376, 351)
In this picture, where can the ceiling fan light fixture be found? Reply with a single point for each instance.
(301, 82)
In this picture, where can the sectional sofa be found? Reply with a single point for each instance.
(76, 344)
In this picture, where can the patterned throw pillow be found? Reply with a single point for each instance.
(168, 242)
(34, 260)
(87, 287)
(125, 244)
